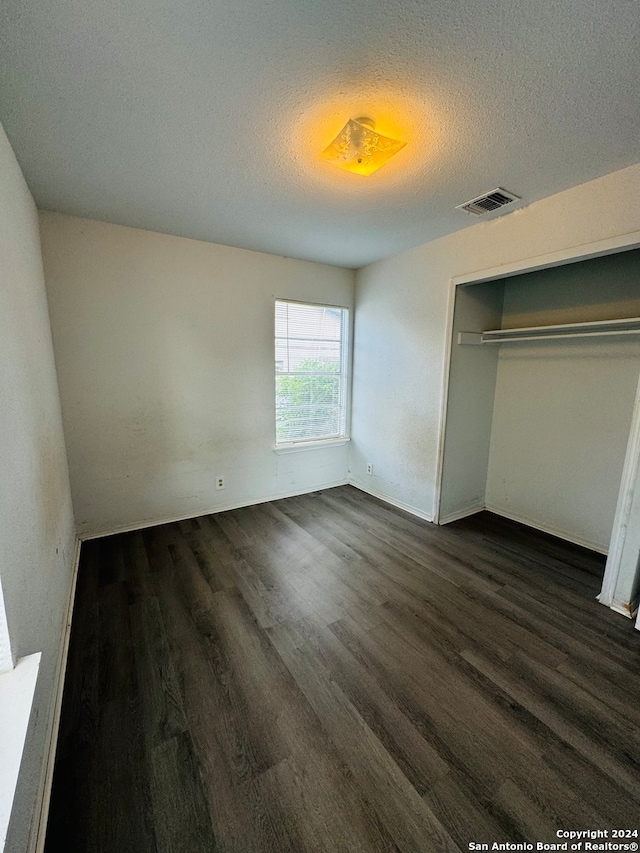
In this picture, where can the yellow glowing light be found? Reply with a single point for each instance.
(359, 148)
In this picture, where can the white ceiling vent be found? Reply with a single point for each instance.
(489, 201)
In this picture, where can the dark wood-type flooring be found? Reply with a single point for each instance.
(328, 673)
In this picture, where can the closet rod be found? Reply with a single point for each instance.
(564, 335)
(599, 328)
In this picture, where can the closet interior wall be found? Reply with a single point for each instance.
(537, 430)
(472, 386)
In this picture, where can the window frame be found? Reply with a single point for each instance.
(295, 445)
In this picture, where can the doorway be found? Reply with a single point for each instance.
(541, 402)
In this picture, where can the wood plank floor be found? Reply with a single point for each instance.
(328, 673)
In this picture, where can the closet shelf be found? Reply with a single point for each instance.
(628, 326)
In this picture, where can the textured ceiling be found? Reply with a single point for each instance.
(204, 118)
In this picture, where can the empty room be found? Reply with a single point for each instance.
(319, 426)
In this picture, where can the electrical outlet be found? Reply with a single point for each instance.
(370, 468)
(219, 482)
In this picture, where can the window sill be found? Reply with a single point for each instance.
(17, 687)
(297, 446)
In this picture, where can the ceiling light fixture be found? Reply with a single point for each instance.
(360, 148)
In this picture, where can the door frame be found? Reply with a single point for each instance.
(610, 594)
(631, 468)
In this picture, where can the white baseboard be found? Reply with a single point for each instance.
(399, 504)
(17, 689)
(45, 798)
(628, 609)
(156, 522)
(461, 513)
(544, 528)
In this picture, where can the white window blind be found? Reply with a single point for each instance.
(311, 372)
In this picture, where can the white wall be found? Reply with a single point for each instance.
(401, 322)
(397, 367)
(165, 358)
(563, 409)
(472, 383)
(37, 537)
(561, 421)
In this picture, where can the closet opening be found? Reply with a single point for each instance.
(541, 419)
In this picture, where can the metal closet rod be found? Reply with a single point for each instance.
(595, 328)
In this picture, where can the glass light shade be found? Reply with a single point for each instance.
(360, 148)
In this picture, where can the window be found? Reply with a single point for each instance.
(311, 372)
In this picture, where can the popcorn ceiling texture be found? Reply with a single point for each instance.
(205, 120)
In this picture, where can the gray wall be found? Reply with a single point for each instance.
(600, 288)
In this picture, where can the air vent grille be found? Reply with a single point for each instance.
(489, 201)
